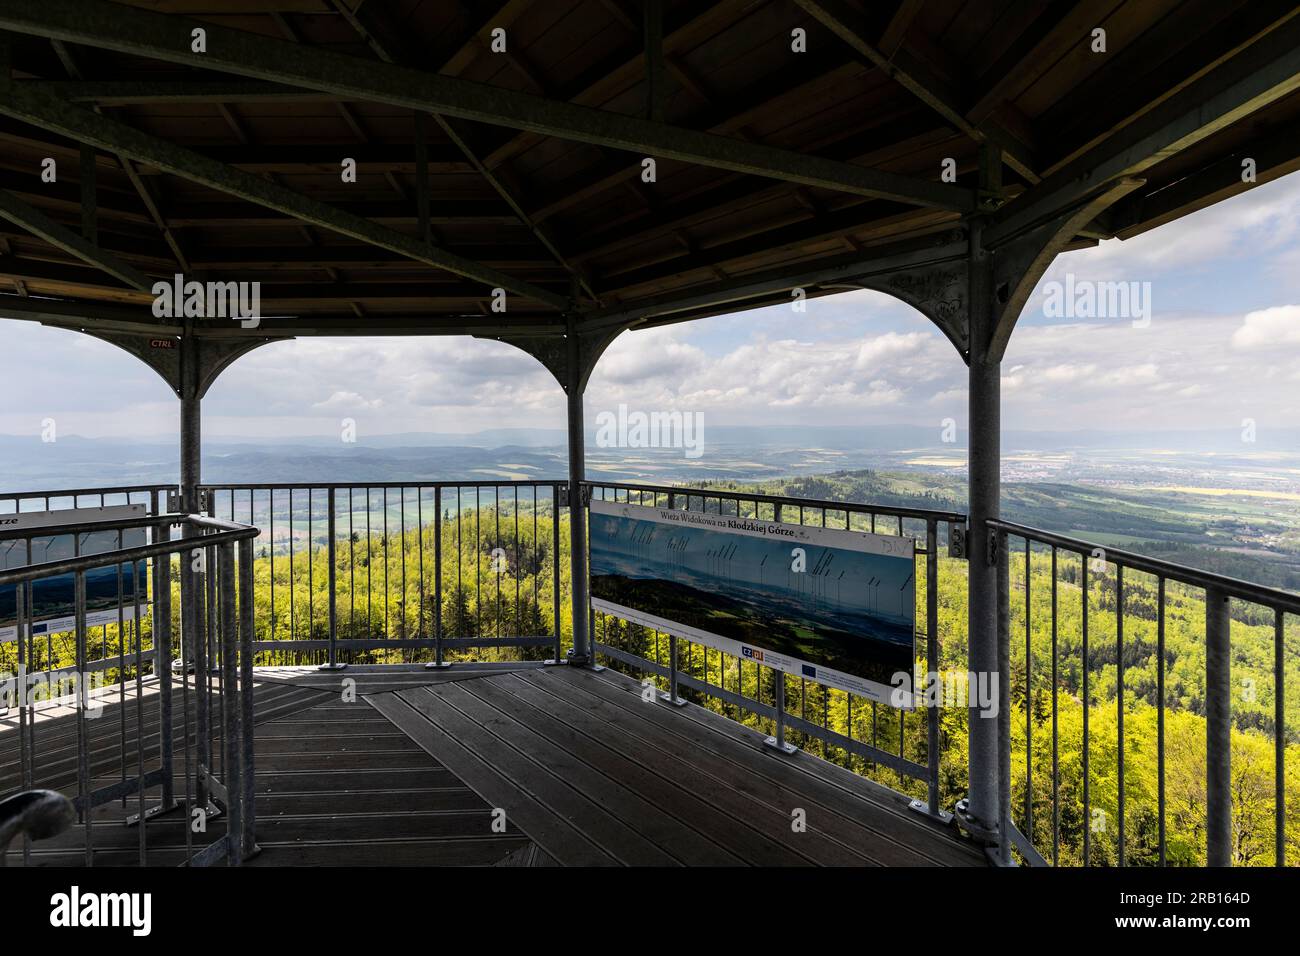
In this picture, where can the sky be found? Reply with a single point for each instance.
(1219, 344)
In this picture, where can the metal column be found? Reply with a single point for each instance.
(193, 611)
(1218, 730)
(191, 419)
(581, 653)
(983, 807)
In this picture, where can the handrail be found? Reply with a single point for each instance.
(217, 637)
(226, 532)
(48, 493)
(1218, 667)
(951, 517)
(1233, 587)
(416, 483)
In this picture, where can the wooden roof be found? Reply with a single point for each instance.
(831, 154)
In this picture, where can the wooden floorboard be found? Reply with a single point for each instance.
(55, 752)
(587, 772)
(561, 838)
(346, 792)
(879, 818)
(594, 774)
(380, 678)
(879, 826)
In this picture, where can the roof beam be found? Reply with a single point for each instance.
(951, 247)
(615, 75)
(157, 36)
(1276, 153)
(1057, 28)
(1251, 80)
(767, 96)
(386, 54)
(48, 112)
(791, 235)
(145, 92)
(139, 320)
(36, 222)
(921, 81)
(699, 207)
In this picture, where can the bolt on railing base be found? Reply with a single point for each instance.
(670, 699)
(151, 812)
(332, 667)
(437, 665)
(781, 746)
(981, 831)
(583, 660)
(923, 807)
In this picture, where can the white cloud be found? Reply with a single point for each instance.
(860, 357)
(1269, 329)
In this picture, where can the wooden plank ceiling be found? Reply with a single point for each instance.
(896, 86)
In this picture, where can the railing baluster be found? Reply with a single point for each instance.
(1004, 693)
(931, 656)
(230, 714)
(139, 711)
(1119, 698)
(83, 744)
(1056, 765)
(247, 728)
(1029, 701)
(555, 571)
(1279, 742)
(1087, 706)
(1218, 730)
(1160, 713)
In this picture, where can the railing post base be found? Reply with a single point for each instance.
(781, 746)
(778, 741)
(923, 807)
(437, 665)
(332, 667)
(981, 831)
(151, 812)
(582, 660)
(668, 698)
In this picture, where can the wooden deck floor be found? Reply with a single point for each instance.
(595, 775)
(409, 770)
(337, 784)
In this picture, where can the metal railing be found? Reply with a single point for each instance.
(352, 571)
(154, 497)
(906, 744)
(213, 577)
(338, 573)
(1073, 615)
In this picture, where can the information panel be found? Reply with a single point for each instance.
(837, 607)
(53, 609)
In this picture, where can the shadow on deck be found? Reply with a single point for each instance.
(508, 765)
